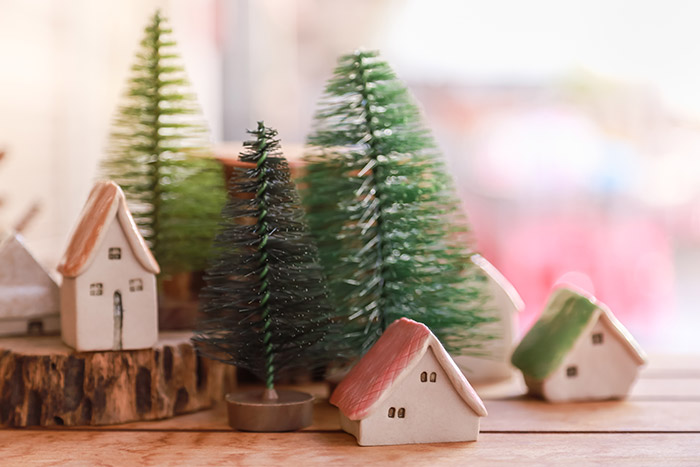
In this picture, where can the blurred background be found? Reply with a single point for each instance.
(572, 128)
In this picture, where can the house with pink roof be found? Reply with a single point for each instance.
(407, 389)
(108, 294)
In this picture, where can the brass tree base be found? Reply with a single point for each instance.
(255, 410)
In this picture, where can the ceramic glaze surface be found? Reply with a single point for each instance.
(95, 315)
(598, 367)
(547, 343)
(433, 411)
(108, 295)
(99, 209)
(27, 292)
(578, 350)
(399, 349)
(106, 200)
(366, 383)
(506, 305)
(407, 389)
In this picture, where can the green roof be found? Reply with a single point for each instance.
(544, 347)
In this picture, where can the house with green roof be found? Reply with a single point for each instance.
(577, 350)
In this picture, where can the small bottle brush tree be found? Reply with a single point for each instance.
(158, 155)
(381, 206)
(265, 305)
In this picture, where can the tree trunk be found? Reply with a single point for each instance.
(43, 382)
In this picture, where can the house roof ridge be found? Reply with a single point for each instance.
(456, 377)
(625, 337)
(105, 203)
(509, 289)
(9, 237)
(388, 362)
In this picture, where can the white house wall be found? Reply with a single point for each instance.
(95, 313)
(26, 289)
(28, 301)
(434, 412)
(15, 327)
(495, 364)
(603, 371)
(69, 327)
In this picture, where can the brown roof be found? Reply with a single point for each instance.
(106, 201)
(396, 352)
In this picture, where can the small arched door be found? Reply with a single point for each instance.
(118, 321)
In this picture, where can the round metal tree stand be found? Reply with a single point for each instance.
(265, 410)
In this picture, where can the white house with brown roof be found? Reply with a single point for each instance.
(28, 294)
(407, 389)
(108, 294)
(492, 363)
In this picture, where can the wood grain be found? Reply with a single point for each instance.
(43, 382)
(672, 366)
(325, 416)
(530, 415)
(666, 389)
(659, 425)
(100, 448)
(518, 415)
(683, 387)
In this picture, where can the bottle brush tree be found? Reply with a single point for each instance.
(159, 155)
(265, 305)
(381, 206)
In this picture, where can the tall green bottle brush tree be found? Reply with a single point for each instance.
(381, 207)
(159, 154)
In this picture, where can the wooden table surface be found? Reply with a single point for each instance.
(658, 425)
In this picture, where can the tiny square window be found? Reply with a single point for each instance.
(115, 253)
(135, 285)
(392, 412)
(402, 413)
(96, 288)
(433, 377)
(423, 377)
(35, 327)
(597, 338)
(571, 371)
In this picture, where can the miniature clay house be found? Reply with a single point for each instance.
(407, 389)
(506, 304)
(578, 350)
(108, 294)
(28, 294)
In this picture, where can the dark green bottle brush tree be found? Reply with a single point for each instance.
(159, 155)
(265, 306)
(381, 206)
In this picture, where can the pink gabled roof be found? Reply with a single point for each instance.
(106, 201)
(397, 351)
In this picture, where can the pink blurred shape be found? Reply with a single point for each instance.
(625, 262)
(577, 280)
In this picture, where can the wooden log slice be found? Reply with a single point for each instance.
(43, 382)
